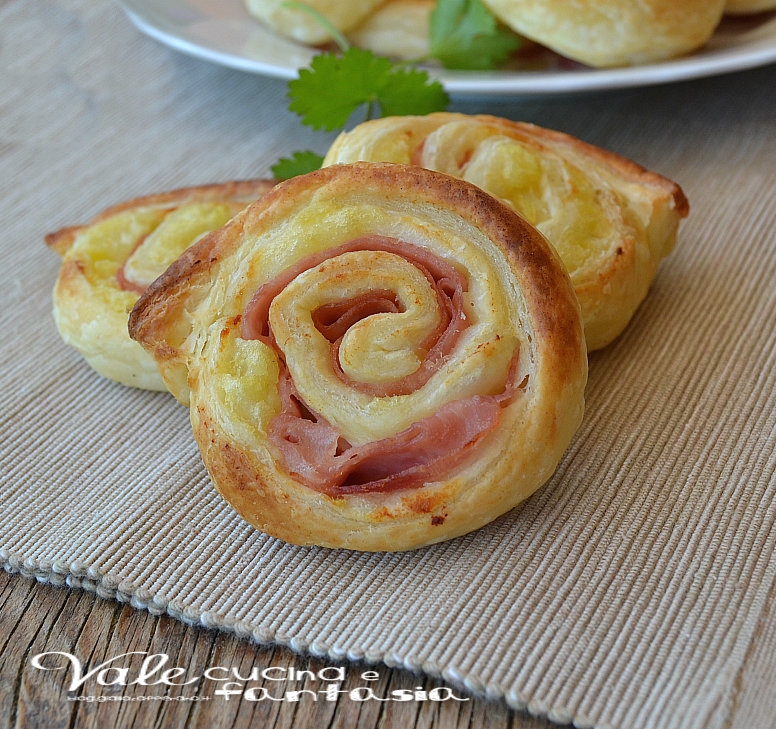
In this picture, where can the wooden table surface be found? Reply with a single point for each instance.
(37, 618)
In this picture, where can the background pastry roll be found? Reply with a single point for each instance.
(397, 29)
(375, 356)
(109, 262)
(613, 32)
(610, 220)
(302, 26)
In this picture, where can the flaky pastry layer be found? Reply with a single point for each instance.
(610, 220)
(107, 263)
(376, 357)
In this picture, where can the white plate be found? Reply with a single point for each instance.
(221, 31)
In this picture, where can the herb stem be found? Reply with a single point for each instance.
(341, 41)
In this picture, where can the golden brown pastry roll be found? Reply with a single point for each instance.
(109, 262)
(613, 32)
(302, 26)
(610, 220)
(376, 357)
(397, 29)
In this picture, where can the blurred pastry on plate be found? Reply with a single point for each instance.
(397, 29)
(376, 357)
(605, 33)
(611, 220)
(303, 26)
(109, 262)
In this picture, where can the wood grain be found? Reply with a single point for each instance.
(37, 618)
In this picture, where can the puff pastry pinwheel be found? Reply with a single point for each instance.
(303, 26)
(397, 29)
(376, 357)
(109, 262)
(605, 33)
(610, 220)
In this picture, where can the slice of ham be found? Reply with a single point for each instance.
(314, 452)
(318, 457)
(333, 320)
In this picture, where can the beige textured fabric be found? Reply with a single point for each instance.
(635, 590)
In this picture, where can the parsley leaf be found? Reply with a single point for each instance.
(327, 93)
(465, 35)
(410, 91)
(298, 164)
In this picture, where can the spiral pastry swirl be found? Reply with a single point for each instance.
(378, 357)
(610, 220)
(109, 262)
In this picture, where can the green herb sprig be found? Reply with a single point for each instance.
(463, 34)
(336, 85)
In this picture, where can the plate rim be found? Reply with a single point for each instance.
(486, 83)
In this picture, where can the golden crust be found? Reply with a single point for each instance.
(612, 32)
(237, 191)
(611, 220)
(135, 240)
(522, 313)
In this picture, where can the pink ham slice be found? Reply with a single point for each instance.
(333, 320)
(314, 452)
(317, 456)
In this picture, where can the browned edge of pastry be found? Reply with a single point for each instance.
(495, 219)
(624, 166)
(61, 240)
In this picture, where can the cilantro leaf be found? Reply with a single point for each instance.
(465, 35)
(409, 91)
(334, 86)
(327, 93)
(298, 164)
